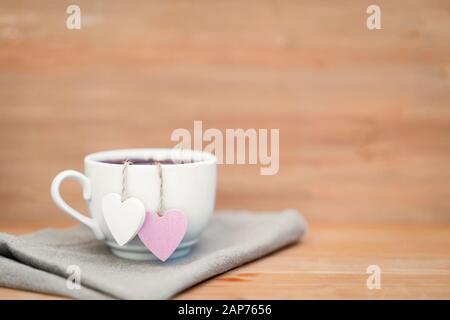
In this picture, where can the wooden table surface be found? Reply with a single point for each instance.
(363, 115)
(331, 263)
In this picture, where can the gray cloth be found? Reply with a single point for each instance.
(39, 261)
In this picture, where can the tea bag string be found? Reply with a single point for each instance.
(161, 200)
(124, 193)
(125, 179)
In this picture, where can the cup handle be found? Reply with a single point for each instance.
(60, 203)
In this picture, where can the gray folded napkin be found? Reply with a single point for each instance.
(40, 261)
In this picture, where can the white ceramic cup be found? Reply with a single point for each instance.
(190, 187)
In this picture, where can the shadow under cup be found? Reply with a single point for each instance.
(188, 184)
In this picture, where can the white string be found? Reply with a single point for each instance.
(124, 179)
(125, 184)
(161, 200)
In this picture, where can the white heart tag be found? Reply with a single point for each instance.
(124, 219)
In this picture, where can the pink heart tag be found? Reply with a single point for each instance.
(162, 234)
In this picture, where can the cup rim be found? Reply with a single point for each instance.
(199, 157)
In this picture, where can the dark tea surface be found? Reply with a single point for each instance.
(141, 161)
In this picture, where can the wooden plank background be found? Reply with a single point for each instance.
(364, 116)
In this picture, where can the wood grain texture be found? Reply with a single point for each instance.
(331, 263)
(363, 115)
(364, 123)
